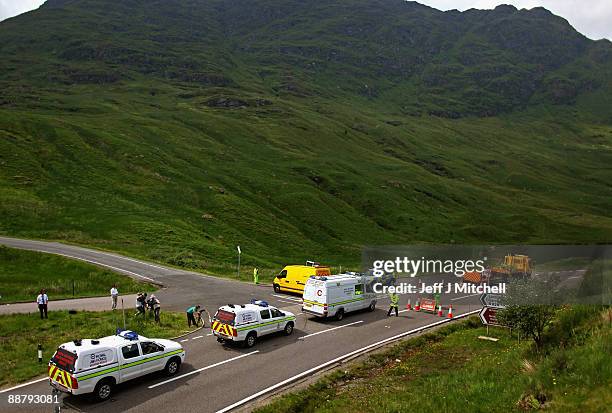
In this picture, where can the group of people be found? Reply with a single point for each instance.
(143, 301)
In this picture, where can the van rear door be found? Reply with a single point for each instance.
(315, 297)
(61, 368)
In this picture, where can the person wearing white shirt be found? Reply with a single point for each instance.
(42, 300)
(114, 294)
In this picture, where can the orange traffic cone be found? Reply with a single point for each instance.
(417, 306)
(408, 306)
(450, 311)
(440, 311)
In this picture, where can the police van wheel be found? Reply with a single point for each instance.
(372, 306)
(103, 390)
(250, 340)
(288, 329)
(340, 314)
(172, 366)
(276, 288)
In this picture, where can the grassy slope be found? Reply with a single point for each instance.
(453, 371)
(186, 185)
(21, 334)
(24, 273)
(106, 140)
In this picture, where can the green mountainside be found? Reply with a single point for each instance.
(176, 130)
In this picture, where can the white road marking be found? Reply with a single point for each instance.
(575, 276)
(297, 300)
(330, 329)
(288, 302)
(336, 360)
(24, 384)
(121, 257)
(196, 337)
(104, 265)
(465, 296)
(209, 334)
(182, 341)
(202, 369)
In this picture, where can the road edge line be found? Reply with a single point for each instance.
(339, 359)
(24, 384)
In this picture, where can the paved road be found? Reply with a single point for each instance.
(180, 289)
(218, 377)
(83, 304)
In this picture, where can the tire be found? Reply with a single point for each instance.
(340, 314)
(372, 306)
(288, 329)
(172, 366)
(250, 340)
(276, 288)
(104, 389)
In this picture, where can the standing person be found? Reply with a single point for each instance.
(114, 294)
(42, 300)
(394, 304)
(256, 275)
(155, 306)
(140, 303)
(190, 315)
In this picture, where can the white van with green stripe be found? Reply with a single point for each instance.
(246, 323)
(336, 295)
(96, 366)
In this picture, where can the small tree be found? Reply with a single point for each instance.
(530, 320)
(532, 305)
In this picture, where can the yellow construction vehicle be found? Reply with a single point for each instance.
(514, 266)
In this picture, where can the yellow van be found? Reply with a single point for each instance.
(293, 277)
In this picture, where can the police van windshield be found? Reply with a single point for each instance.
(64, 359)
(225, 316)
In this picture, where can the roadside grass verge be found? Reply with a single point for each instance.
(451, 370)
(23, 273)
(21, 334)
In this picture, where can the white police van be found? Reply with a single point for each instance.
(96, 366)
(247, 322)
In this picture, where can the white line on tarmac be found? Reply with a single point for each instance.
(182, 341)
(465, 296)
(202, 369)
(336, 360)
(209, 334)
(297, 300)
(196, 337)
(121, 257)
(288, 302)
(24, 384)
(330, 329)
(104, 265)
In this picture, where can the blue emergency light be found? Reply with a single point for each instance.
(260, 303)
(127, 334)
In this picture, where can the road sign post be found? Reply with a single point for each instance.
(239, 253)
